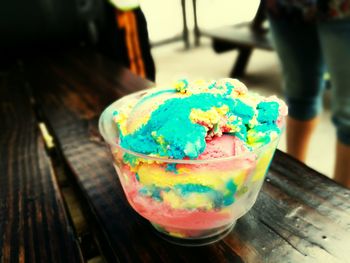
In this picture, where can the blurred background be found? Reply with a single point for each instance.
(60, 20)
(173, 60)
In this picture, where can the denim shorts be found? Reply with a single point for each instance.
(305, 51)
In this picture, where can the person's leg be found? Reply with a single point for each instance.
(123, 36)
(298, 136)
(342, 164)
(299, 52)
(335, 41)
(145, 46)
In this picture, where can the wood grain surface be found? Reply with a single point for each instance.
(300, 215)
(33, 223)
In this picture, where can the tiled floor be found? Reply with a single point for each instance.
(263, 75)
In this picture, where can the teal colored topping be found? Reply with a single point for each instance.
(219, 200)
(184, 82)
(268, 112)
(171, 133)
(229, 196)
(231, 187)
(222, 201)
(242, 128)
(171, 167)
(211, 86)
(229, 88)
(156, 195)
(186, 189)
(153, 192)
(228, 200)
(184, 137)
(137, 177)
(243, 111)
(242, 134)
(266, 127)
(145, 191)
(171, 122)
(130, 159)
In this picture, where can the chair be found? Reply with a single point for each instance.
(244, 37)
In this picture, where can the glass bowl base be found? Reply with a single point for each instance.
(195, 242)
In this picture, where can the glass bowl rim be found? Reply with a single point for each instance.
(249, 154)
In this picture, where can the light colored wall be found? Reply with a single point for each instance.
(164, 17)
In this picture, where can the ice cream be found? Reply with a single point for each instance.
(191, 157)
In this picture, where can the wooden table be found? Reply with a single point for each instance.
(300, 215)
(34, 226)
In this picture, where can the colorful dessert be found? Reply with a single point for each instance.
(191, 157)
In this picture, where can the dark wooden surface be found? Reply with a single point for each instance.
(33, 223)
(300, 215)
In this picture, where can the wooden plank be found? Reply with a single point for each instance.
(292, 216)
(33, 223)
(306, 209)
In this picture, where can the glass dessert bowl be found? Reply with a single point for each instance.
(188, 201)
